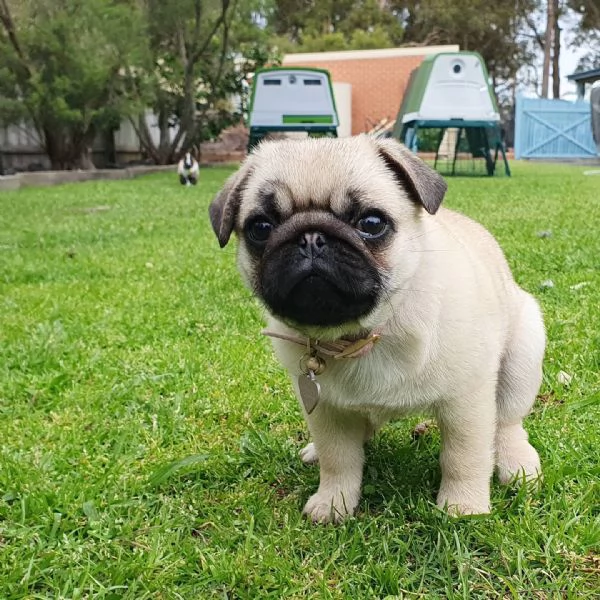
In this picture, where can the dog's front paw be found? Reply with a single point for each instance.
(457, 503)
(308, 454)
(329, 507)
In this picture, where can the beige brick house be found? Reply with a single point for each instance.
(378, 79)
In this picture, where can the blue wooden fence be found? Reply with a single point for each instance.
(553, 129)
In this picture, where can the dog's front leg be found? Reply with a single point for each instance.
(338, 437)
(467, 427)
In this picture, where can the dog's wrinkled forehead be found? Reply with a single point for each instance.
(315, 174)
(324, 175)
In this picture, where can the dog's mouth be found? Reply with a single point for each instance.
(334, 286)
(316, 300)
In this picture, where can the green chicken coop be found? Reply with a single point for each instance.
(449, 108)
(291, 99)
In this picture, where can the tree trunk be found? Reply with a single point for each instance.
(187, 123)
(164, 144)
(548, 45)
(55, 148)
(85, 160)
(141, 129)
(191, 45)
(165, 152)
(110, 151)
(69, 149)
(556, 56)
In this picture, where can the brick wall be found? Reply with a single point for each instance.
(378, 78)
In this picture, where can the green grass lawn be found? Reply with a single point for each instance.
(149, 439)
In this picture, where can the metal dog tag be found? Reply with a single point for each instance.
(310, 391)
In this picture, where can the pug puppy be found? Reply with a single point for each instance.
(382, 304)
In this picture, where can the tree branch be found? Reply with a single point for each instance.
(197, 20)
(9, 26)
(537, 36)
(200, 51)
(223, 54)
(141, 130)
(24, 80)
(177, 140)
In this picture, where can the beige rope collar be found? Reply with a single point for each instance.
(338, 349)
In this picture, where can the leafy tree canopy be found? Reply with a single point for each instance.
(588, 32)
(197, 57)
(320, 25)
(59, 65)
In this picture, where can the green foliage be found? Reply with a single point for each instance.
(589, 12)
(429, 140)
(334, 25)
(197, 57)
(62, 68)
(149, 438)
(11, 109)
(359, 39)
(75, 68)
(377, 37)
(588, 32)
(492, 29)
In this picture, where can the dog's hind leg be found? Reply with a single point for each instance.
(467, 454)
(518, 384)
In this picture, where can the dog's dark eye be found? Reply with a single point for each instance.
(259, 230)
(372, 226)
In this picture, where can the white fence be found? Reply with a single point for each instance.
(21, 148)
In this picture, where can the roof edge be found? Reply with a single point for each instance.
(584, 75)
(367, 54)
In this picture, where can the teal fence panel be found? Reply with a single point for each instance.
(553, 129)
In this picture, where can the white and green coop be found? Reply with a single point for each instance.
(291, 99)
(449, 108)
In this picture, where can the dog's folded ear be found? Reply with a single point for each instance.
(426, 186)
(224, 208)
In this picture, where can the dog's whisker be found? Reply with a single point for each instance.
(424, 233)
(423, 251)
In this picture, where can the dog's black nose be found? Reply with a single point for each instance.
(312, 243)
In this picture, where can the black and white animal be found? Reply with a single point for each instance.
(188, 170)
